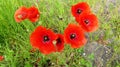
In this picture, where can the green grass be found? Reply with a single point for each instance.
(14, 37)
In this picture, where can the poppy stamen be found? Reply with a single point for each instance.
(72, 36)
(20, 16)
(79, 11)
(46, 38)
(86, 21)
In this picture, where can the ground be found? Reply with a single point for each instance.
(56, 15)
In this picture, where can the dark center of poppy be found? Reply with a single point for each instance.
(79, 11)
(58, 41)
(46, 38)
(86, 21)
(72, 36)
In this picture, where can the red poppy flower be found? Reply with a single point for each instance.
(33, 14)
(60, 42)
(79, 8)
(21, 14)
(42, 39)
(74, 35)
(1, 58)
(89, 22)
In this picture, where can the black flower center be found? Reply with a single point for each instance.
(79, 11)
(86, 21)
(46, 38)
(58, 41)
(72, 36)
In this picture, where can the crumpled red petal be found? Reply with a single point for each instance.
(33, 14)
(21, 14)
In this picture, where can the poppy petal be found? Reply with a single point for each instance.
(33, 19)
(1, 58)
(60, 42)
(83, 14)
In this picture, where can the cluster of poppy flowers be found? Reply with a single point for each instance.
(23, 13)
(47, 41)
(83, 15)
